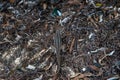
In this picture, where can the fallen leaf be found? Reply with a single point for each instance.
(98, 4)
(73, 2)
(40, 78)
(94, 67)
(114, 78)
(44, 6)
(78, 77)
(12, 1)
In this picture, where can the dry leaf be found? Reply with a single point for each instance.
(44, 6)
(81, 76)
(73, 2)
(94, 67)
(12, 1)
(48, 67)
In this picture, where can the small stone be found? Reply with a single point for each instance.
(17, 61)
(84, 69)
(31, 67)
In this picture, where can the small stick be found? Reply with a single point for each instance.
(72, 44)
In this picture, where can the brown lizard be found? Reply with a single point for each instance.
(58, 45)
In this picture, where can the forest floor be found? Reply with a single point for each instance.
(59, 40)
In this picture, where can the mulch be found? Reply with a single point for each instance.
(59, 40)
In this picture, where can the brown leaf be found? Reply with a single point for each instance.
(73, 2)
(82, 76)
(12, 1)
(78, 77)
(94, 67)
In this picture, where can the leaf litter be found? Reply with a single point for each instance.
(59, 40)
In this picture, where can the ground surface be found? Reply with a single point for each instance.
(59, 40)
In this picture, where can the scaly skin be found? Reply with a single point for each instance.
(57, 45)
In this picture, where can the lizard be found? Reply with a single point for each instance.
(58, 45)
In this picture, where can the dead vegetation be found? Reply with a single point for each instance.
(59, 40)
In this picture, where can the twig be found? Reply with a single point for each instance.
(72, 44)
